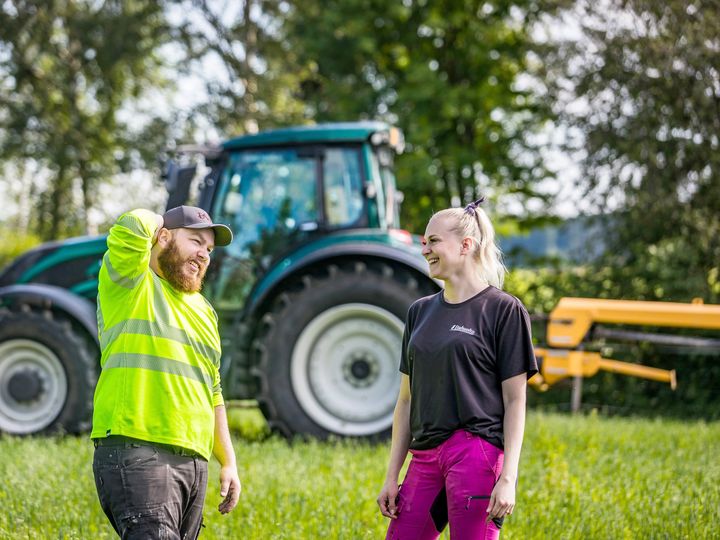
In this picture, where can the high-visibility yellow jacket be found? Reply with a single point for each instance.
(160, 378)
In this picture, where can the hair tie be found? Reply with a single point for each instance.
(470, 208)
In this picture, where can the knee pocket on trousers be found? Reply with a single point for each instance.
(145, 522)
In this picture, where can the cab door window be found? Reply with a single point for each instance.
(342, 186)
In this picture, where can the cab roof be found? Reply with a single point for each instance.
(329, 132)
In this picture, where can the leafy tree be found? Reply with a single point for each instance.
(67, 69)
(449, 73)
(250, 80)
(642, 90)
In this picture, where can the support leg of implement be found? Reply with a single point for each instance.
(576, 396)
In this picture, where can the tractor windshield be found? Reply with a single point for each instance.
(276, 192)
(264, 195)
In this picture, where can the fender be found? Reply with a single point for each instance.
(407, 257)
(50, 296)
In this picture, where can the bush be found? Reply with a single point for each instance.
(14, 243)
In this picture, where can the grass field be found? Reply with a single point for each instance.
(581, 477)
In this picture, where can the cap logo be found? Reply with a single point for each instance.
(202, 216)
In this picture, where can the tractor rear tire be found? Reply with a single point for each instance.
(48, 371)
(327, 353)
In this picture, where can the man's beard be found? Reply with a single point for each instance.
(171, 264)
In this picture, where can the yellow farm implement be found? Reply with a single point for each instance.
(576, 322)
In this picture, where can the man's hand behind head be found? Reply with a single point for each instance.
(160, 223)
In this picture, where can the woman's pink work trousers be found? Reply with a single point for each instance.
(450, 483)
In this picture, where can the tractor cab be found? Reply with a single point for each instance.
(282, 189)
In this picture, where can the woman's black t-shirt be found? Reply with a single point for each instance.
(457, 356)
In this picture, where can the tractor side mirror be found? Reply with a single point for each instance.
(177, 182)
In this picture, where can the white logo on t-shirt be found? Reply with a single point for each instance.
(461, 328)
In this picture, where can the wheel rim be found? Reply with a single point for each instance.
(345, 368)
(24, 359)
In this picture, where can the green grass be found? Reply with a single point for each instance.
(581, 477)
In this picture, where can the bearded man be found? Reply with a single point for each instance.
(158, 409)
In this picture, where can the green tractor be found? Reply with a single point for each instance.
(311, 295)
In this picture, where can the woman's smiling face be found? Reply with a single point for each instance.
(442, 248)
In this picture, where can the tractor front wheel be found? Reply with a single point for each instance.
(47, 374)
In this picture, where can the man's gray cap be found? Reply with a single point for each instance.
(192, 217)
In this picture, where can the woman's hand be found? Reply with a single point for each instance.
(387, 500)
(502, 499)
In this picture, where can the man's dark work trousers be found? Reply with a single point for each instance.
(150, 491)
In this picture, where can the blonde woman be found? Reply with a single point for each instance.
(466, 358)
